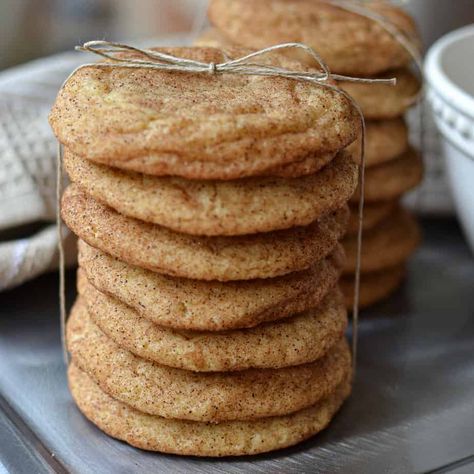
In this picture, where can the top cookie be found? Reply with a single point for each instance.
(349, 43)
(155, 121)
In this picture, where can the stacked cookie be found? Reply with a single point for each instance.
(357, 46)
(209, 210)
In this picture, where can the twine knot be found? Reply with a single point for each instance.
(212, 68)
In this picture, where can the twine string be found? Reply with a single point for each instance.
(62, 269)
(360, 211)
(159, 60)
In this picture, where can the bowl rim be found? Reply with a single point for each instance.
(437, 79)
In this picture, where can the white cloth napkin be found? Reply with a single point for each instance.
(28, 167)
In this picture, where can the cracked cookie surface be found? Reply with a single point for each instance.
(297, 340)
(387, 245)
(233, 438)
(181, 303)
(343, 39)
(169, 123)
(221, 396)
(237, 207)
(159, 249)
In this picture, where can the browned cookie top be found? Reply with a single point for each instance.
(292, 341)
(159, 249)
(167, 123)
(236, 207)
(181, 303)
(349, 43)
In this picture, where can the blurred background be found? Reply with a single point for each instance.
(34, 28)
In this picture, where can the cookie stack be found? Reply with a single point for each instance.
(356, 46)
(209, 210)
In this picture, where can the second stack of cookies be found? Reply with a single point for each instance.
(353, 45)
(210, 209)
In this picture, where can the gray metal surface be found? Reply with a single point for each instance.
(412, 409)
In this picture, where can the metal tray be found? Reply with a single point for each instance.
(412, 409)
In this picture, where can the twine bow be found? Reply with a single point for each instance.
(244, 66)
(156, 60)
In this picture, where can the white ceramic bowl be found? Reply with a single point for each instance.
(449, 71)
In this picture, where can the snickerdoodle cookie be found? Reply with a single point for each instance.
(237, 207)
(384, 101)
(181, 303)
(374, 286)
(297, 340)
(374, 214)
(168, 123)
(385, 140)
(388, 181)
(348, 42)
(213, 396)
(387, 245)
(231, 438)
(204, 258)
